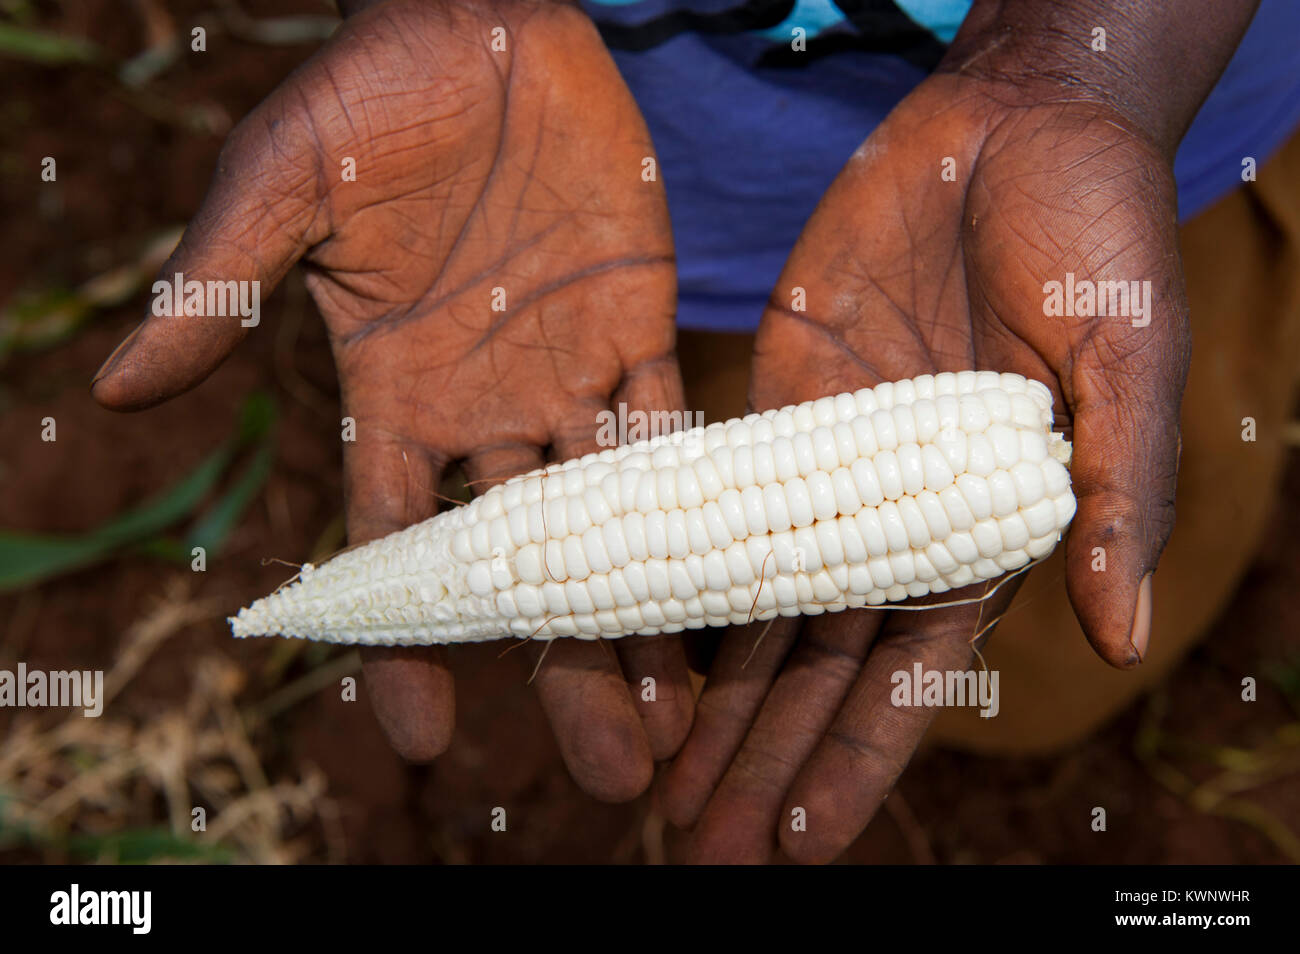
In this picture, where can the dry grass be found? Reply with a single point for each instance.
(123, 787)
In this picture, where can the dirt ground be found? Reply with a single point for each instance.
(258, 732)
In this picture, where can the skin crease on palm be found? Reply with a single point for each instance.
(479, 169)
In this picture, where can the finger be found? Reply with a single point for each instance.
(388, 485)
(746, 665)
(258, 217)
(413, 696)
(666, 703)
(653, 385)
(1126, 397)
(739, 823)
(599, 731)
(580, 685)
(660, 684)
(857, 762)
(574, 429)
(489, 466)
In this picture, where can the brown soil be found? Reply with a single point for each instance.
(124, 174)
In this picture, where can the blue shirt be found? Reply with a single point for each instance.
(750, 133)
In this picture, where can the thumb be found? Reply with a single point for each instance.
(255, 221)
(1125, 466)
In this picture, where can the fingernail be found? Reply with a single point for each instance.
(1140, 635)
(113, 358)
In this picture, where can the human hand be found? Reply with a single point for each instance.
(905, 274)
(482, 177)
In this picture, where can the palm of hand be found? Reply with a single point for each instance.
(499, 268)
(493, 271)
(903, 273)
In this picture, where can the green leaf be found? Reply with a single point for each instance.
(29, 558)
(43, 318)
(135, 846)
(131, 846)
(40, 319)
(1285, 673)
(256, 417)
(38, 46)
(256, 426)
(211, 531)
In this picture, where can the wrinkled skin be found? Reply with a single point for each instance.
(475, 170)
(907, 274)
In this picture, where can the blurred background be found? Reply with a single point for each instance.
(96, 529)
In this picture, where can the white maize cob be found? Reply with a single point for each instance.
(897, 491)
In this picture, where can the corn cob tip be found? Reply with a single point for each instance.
(252, 621)
(242, 625)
